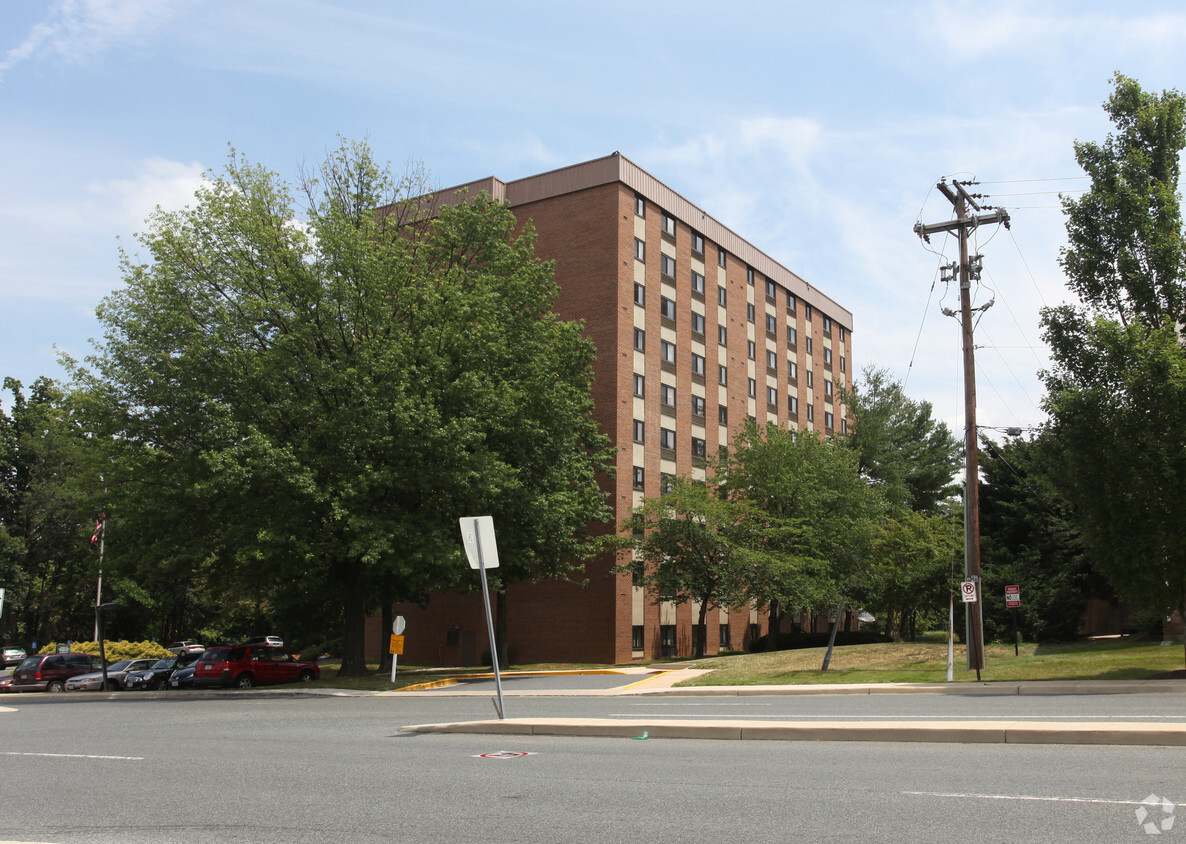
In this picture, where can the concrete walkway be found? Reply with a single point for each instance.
(978, 732)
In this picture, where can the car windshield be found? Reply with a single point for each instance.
(119, 666)
(167, 662)
(29, 663)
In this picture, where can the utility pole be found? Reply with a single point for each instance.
(964, 223)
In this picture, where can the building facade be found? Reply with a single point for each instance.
(696, 330)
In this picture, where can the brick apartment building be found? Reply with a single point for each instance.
(696, 330)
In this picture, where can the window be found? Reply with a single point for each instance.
(807, 312)
(668, 225)
(842, 369)
(698, 242)
(753, 388)
(792, 370)
(828, 419)
(793, 405)
(750, 349)
(720, 295)
(749, 276)
(790, 301)
(667, 308)
(810, 379)
(771, 395)
(666, 640)
(697, 283)
(771, 290)
(749, 312)
(667, 395)
(639, 478)
(636, 637)
(827, 388)
(807, 345)
(640, 206)
(843, 425)
(640, 340)
(722, 335)
(667, 265)
(771, 323)
(724, 638)
(698, 406)
(667, 439)
(666, 483)
(640, 294)
(640, 250)
(827, 325)
(792, 335)
(697, 323)
(699, 448)
(697, 364)
(640, 383)
(771, 359)
(721, 257)
(722, 374)
(722, 415)
(827, 356)
(667, 351)
(842, 334)
(810, 413)
(639, 431)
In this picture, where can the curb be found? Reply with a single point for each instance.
(960, 732)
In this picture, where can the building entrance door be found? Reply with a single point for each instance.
(469, 647)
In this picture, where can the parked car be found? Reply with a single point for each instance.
(244, 666)
(157, 675)
(6, 683)
(182, 678)
(116, 672)
(270, 641)
(12, 656)
(49, 672)
(185, 648)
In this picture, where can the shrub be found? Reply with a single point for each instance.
(114, 651)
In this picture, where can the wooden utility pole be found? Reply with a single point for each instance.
(963, 223)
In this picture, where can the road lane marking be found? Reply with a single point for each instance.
(1020, 797)
(73, 756)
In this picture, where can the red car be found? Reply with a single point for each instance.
(244, 666)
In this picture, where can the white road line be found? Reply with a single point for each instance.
(983, 719)
(1033, 797)
(73, 756)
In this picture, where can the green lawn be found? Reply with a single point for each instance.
(926, 662)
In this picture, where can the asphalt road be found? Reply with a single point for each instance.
(235, 768)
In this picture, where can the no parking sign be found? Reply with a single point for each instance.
(968, 591)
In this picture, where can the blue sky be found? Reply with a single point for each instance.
(816, 133)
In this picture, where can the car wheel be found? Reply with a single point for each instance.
(55, 686)
(155, 685)
(306, 676)
(245, 681)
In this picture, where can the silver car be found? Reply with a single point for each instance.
(116, 672)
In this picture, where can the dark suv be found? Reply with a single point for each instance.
(49, 672)
(244, 666)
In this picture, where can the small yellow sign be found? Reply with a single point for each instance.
(397, 645)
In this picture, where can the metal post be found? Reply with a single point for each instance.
(490, 626)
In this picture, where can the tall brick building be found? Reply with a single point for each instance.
(696, 330)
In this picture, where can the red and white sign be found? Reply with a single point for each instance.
(1012, 596)
(968, 591)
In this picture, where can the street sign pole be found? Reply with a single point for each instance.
(397, 629)
(472, 530)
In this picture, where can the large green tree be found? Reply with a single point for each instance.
(902, 448)
(312, 396)
(692, 544)
(821, 514)
(1116, 391)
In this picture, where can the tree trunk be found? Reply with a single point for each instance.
(500, 628)
(699, 644)
(384, 632)
(353, 644)
(775, 624)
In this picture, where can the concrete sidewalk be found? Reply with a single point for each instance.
(973, 732)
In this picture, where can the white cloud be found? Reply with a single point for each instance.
(79, 30)
(169, 185)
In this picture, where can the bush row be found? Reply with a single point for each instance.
(113, 650)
